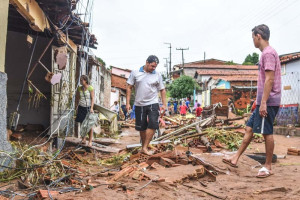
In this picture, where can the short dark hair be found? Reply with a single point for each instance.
(263, 30)
(86, 78)
(152, 58)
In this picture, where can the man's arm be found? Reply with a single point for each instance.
(128, 95)
(269, 82)
(163, 98)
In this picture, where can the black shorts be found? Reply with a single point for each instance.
(147, 117)
(255, 121)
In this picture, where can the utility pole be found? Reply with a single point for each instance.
(181, 49)
(170, 63)
(166, 65)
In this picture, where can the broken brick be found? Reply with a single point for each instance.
(157, 166)
(166, 162)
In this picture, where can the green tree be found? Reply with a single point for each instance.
(183, 87)
(230, 63)
(251, 59)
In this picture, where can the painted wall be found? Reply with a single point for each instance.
(3, 31)
(223, 85)
(17, 59)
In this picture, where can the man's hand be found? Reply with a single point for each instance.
(263, 109)
(163, 109)
(128, 108)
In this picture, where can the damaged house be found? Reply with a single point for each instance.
(45, 48)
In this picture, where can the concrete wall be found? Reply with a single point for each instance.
(4, 144)
(3, 30)
(105, 87)
(17, 58)
(293, 66)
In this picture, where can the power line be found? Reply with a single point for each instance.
(182, 49)
(170, 65)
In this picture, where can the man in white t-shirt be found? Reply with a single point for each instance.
(148, 83)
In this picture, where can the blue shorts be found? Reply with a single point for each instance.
(255, 121)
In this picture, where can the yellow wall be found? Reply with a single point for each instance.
(3, 31)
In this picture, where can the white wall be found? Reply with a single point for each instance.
(293, 66)
(114, 96)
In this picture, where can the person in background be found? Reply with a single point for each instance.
(183, 108)
(175, 107)
(115, 107)
(86, 104)
(195, 105)
(123, 107)
(198, 111)
(132, 114)
(187, 103)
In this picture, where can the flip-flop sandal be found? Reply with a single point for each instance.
(266, 172)
(228, 162)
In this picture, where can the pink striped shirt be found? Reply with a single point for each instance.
(269, 60)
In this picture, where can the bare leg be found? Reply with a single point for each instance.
(90, 137)
(143, 136)
(246, 141)
(148, 137)
(269, 141)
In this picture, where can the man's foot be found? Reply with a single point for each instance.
(90, 144)
(264, 173)
(146, 152)
(83, 142)
(229, 162)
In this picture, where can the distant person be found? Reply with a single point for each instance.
(123, 107)
(267, 100)
(132, 114)
(183, 108)
(175, 107)
(187, 103)
(115, 107)
(198, 111)
(195, 105)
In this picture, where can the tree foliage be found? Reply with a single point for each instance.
(183, 87)
(251, 59)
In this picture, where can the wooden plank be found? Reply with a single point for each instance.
(132, 146)
(106, 141)
(97, 147)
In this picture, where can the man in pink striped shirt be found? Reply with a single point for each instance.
(267, 101)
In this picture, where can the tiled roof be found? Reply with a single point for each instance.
(289, 57)
(226, 72)
(237, 67)
(236, 78)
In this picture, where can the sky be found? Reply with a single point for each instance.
(129, 31)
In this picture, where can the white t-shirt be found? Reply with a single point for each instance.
(147, 86)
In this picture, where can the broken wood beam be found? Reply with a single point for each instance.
(202, 123)
(204, 139)
(98, 147)
(132, 146)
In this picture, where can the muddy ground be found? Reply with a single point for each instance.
(239, 183)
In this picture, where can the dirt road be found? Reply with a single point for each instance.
(239, 183)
